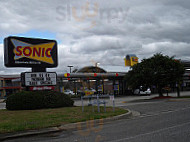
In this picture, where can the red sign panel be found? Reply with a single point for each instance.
(38, 88)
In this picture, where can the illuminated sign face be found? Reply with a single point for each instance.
(38, 78)
(134, 59)
(131, 60)
(29, 52)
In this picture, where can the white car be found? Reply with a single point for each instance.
(142, 92)
(69, 92)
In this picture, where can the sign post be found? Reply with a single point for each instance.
(34, 53)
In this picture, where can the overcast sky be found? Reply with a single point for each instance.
(101, 31)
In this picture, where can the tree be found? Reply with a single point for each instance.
(158, 70)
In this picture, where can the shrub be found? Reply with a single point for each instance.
(28, 100)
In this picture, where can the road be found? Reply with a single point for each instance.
(160, 121)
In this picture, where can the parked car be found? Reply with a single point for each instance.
(69, 92)
(142, 91)
(86, 91)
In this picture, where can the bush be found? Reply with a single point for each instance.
(28, 100)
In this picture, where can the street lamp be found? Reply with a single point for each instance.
(70, 67)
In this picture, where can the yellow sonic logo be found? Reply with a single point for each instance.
(40, 52)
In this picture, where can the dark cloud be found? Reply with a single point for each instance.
(117, 28)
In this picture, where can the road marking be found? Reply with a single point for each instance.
(153, 132)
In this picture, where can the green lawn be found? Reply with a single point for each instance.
(13, 121)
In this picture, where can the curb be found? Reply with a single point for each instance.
(28, 133)
(66, 127)
(80, 125)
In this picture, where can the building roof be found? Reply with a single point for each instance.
(116, 69)
(10, 76)
(91, 69)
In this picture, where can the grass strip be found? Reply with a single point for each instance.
(14, 121)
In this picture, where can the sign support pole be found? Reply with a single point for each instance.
(41, 69)
(98, 103)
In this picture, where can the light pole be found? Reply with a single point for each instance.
(70, 67)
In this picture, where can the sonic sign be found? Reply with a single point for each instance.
(30, 52)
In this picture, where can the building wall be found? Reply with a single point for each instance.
(8, 87)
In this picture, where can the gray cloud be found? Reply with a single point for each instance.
(119, 27)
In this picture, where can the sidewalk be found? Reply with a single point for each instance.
(121, 101)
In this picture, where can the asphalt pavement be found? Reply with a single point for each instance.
(159, 121)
